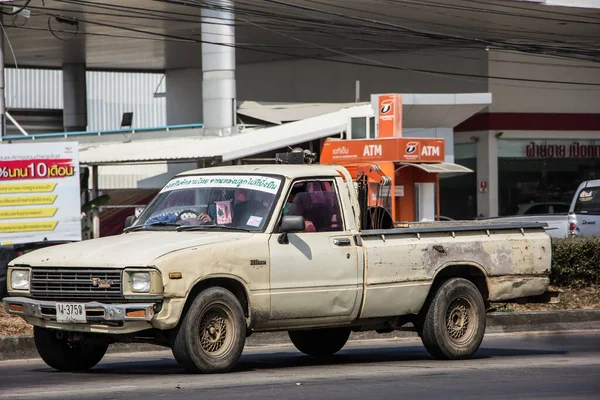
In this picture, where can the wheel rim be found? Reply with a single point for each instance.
(460, 321)
(216, 331)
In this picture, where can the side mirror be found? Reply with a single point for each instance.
(290, 224)
(129, 221)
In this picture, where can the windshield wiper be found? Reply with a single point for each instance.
(213, 226)
(138, 227)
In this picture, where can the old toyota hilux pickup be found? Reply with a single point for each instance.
(221, 253)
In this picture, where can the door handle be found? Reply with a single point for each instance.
(342, 242)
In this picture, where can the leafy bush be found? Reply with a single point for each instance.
(575, 262)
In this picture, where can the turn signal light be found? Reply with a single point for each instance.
(16, 308)
(136, 314)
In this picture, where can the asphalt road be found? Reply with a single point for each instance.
(563, 366)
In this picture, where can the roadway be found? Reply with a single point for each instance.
(552, 366)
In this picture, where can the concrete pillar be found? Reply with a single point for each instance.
(74, 97)
(218, 69)
(487, 174)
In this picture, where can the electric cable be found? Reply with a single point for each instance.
(58, 18)
(17, 11)
(260, 48)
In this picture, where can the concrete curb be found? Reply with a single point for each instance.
(23, 347)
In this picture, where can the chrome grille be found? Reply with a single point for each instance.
(75, 284)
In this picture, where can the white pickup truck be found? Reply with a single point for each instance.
(225, 252)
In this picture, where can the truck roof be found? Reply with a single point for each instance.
(288, 170)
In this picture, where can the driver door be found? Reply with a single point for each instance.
(316, 274)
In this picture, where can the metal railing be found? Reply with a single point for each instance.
(99, 133)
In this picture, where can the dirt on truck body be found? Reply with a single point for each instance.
(225, 252)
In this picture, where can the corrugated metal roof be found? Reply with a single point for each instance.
(420, 110)
(225, 148)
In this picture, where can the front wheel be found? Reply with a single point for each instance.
(64, 355)
(320, 342)
(453, 325)
(212, 335)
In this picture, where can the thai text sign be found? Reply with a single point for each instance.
(39, 192)
(572, 150)
(253, 182)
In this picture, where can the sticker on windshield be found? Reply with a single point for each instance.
(223, 212)
(254, 182)
(254, 221)
(585, 194)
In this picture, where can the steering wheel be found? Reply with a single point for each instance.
(186, 214)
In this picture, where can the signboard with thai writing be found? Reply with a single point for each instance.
(390, 149)
(255, 182)
(39, 192)
(572, 150)
(548, 149)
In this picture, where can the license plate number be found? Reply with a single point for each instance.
(70, 312)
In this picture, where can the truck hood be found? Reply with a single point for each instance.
(131, 249)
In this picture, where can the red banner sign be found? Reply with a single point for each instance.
(36, 169)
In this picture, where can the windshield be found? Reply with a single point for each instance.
(227, 201)
(588, 201)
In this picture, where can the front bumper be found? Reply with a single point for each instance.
(94, 312)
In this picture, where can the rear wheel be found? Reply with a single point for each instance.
(64, 355)
(453, 325)
(320, 342)
(212, 335)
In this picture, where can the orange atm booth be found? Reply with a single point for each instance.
(397, 177)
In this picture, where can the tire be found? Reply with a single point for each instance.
(320, 342)
(453, 325)
(213, 332)
(63, 355)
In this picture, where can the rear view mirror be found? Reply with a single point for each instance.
(290, 224)
(129, 221)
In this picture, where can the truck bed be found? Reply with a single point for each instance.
(508, 260)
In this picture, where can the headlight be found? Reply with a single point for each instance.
(140, 282)
(19, 279)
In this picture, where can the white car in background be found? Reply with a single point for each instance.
(579, 218)
(542, 208)
(584, 213)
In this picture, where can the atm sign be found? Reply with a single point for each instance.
(388, 149)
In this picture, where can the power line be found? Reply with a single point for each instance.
(364, 61)
(566, 52)
(367, 63)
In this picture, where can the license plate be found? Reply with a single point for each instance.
(70, 312)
